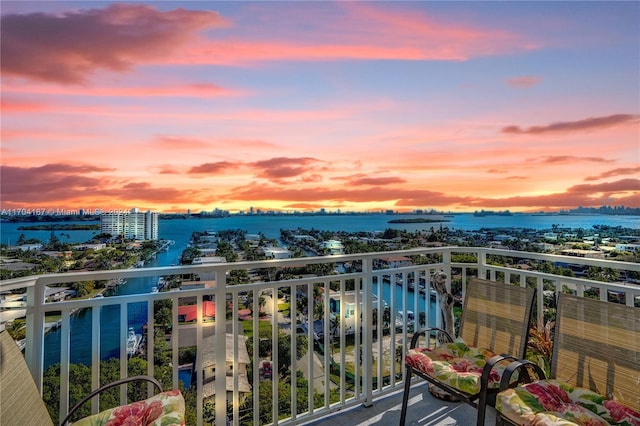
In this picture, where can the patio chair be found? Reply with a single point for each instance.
(20, 402)
(595, 366)
(494, 327)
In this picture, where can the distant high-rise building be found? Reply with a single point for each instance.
(134, 225)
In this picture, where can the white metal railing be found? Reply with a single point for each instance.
(362, 367)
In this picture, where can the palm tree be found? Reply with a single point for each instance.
(16, 330)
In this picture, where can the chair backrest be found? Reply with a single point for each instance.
(596, 345)
(497, 316)
(20, 401)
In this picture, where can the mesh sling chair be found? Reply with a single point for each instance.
(595, 369)
(494, 327)
(21, 404)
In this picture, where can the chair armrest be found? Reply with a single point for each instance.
(109, 386)
(417, 334)
(491, 362)
(486, 373)
(524, 366)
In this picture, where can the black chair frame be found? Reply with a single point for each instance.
(98, 391)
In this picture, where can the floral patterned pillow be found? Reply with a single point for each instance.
(164, 409)
(455, 364)
(551, 402)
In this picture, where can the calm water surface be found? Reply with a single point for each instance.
(180, 231)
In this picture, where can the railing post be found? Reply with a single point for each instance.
(220, 350)
(34, 346)
(367, 338)
(482, 264)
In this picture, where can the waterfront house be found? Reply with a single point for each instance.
(276, 253)
(333, 247)
(233, 370)
(189, 313)
(392, 262)
(632, 248)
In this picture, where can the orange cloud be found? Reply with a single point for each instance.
(66, 48)
(333, 195)
(376, 181)
(623, 192)
(575, 126)
(168, 170)
(615, 172)
(567, 159)
(213, 168)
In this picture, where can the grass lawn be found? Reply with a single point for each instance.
(263, 327)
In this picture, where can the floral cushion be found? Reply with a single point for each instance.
(553, 403)
(455, 364)
(164, 409)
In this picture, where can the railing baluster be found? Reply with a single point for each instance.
(367, 354)
(150, 341)
(124, 332)
(256, 357)
(95, 355)
(220, 366)
(65, 338)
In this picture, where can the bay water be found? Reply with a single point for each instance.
(180, 231)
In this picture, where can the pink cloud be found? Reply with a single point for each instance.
(71, 46)
(195, 90)
(576, 126)
(66, 48)
(177, 142)
(283, 167)
(83, 185)
(49, 181)
(357, 31)
(13, 105)
(523, 81)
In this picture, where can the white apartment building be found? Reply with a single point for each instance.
(134, 225)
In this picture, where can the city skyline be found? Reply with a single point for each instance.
(353, 106)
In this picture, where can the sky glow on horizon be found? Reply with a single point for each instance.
(356, 105)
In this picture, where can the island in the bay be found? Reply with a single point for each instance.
(418, 220)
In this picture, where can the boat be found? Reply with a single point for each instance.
(410, 320)
(133, 342)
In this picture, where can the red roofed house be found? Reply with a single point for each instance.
(189, 313)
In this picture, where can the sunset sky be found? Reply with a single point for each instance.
(455, 106)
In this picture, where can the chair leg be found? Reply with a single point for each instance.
(481, 414)
(405, 395)
(482, 409)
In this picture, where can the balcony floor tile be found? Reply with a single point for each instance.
(423, 410)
